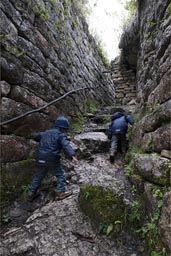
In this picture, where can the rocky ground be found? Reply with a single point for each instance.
(59, 228)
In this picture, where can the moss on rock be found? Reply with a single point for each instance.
(104, 208)
(13, 177)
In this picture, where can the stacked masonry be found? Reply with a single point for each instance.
(125, 83)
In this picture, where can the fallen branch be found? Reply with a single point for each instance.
(41, 108)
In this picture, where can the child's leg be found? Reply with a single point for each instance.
(59, 172)
(123, 143)
(42, 171)
(114, 145)
(113, 148)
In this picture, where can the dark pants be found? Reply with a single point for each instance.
(118, 142)
(56, 169)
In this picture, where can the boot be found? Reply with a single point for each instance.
(112, 159)
(31, 196)
(62, 195)
(112, 156)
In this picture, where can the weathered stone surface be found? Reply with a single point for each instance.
(11, 71)
(13, 148)
(52, 46)
(5, 88)
(151, 201)
(38, 236)
(103, 206)
(162, 92)
(95, 142)
(159, 116)
(15, 176)
(124, 80)
(60, 228)
(166, 153)
(165, 219)
(158, 140)
(153, 168)
(12, 109)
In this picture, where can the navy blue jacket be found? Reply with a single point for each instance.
(119, 125)
(51, 142)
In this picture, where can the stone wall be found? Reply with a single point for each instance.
(47, 51)
(146, 46)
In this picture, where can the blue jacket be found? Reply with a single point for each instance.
(119, 124)
(51, 142)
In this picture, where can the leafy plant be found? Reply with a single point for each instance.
(137, 117)
(133, 189)
(41, 11)
(24, 190)
(135, 214)
(130, 6)
(150, 229)
(87, 195)
(130, 168)
(78, 125)
(109, 229)
(169, 9)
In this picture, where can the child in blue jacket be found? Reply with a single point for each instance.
(51, 142)
(117, 133)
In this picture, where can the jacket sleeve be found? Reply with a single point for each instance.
(130, 119)
(66, 145)
(37, 136)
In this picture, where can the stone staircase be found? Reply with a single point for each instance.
(124, 80)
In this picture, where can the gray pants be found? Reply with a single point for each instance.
(118, 141)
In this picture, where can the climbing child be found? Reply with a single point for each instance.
(51, 142)
(117, 133)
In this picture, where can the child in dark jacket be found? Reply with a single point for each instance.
(117, 133)
(51, 142)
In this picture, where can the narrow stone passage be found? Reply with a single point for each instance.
(47, 227)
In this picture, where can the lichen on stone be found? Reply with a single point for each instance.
(103, 207)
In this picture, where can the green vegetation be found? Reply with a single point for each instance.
(150, 145)
(137, 117)
(106, 210)
(168, 10)
(131, 6)
(92, 108)
(41, 12)
(135, 215)
(77, 124)
(130, 168)
(53, 3)
(149, 230)
(103, 55)
(82, 8)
